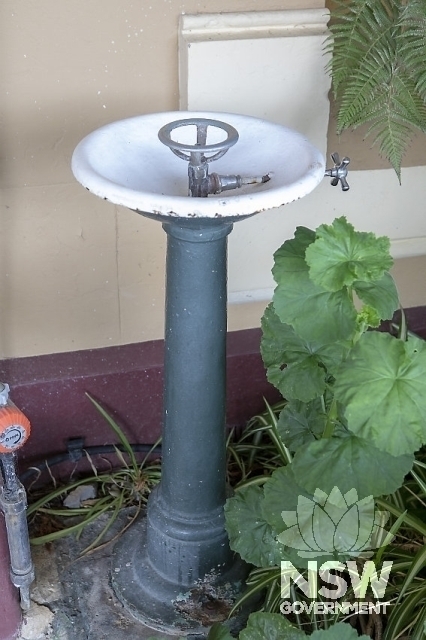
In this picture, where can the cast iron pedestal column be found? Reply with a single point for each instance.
(183, 538)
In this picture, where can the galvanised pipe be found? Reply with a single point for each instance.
(16, 568)
(10, 610)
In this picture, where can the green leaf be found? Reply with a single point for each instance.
(340, 256)
(281, 493)
(368, 317)
(117, 430)
(300, 423)
(331, 525)
(349, 463)
(249, 534)
(290, 257)
(270, 626)
(403, 615)
(219, 632)
(296, 366)
(338, 631)
(381, 295)
(410, 520)
(315, 314)
(382, 385)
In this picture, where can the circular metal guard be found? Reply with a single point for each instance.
(185, 151)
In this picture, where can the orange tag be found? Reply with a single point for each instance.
(14, 429)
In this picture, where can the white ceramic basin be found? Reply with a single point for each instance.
(125, 162)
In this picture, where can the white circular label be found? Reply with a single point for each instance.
(12, 437)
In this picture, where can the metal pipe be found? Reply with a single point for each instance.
(13, 503)
(14, 431)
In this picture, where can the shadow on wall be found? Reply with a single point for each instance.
(58, 247)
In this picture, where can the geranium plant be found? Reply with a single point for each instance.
(355, 406)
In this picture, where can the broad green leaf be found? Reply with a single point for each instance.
(382, 295)
(290, 257)
(295, 366)
(303, 380)
(382, 385)
(333, 525)
(219, 632)
(281, 493)
(349, 463)
(341, 256)
(338, 631)
(299, 423)
(249, 534)
(291, 367)
(270, 626)
(315, 314)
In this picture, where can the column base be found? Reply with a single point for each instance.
(169, 607)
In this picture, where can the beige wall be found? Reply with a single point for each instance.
(76, 272)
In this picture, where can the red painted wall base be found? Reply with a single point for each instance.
(128, 382)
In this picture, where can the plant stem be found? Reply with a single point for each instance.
(331, 420)
(403, 330)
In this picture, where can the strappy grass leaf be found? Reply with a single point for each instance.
(128, 486)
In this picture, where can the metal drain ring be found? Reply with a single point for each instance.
(185, 151)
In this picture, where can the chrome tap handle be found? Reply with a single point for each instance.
(339, 172)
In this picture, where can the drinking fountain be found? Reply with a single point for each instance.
(173, 569)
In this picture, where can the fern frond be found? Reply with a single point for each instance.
(396, 94)
(412, 42)
(358, 27)
(393, 138)
(378, 70)
(364, 86)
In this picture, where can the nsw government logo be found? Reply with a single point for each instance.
(329, 531)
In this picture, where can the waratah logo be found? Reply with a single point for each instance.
(335, 524)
